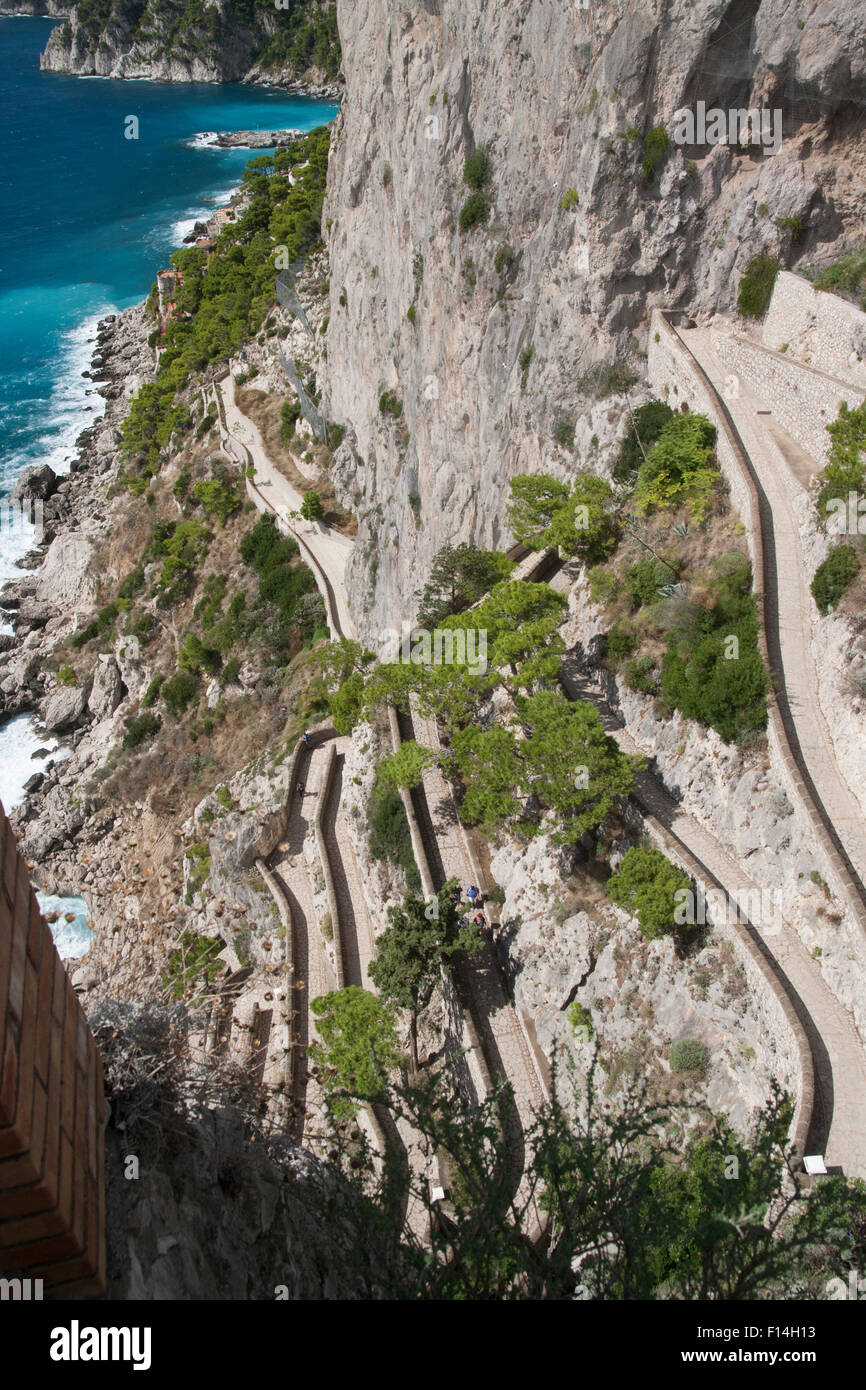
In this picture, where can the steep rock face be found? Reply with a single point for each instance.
(564, 97)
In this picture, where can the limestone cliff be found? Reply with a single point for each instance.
(518, 321)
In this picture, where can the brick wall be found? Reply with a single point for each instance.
(52, 1180)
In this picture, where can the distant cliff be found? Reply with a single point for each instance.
(35, 7)
(198, 41)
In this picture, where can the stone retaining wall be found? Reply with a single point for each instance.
(805, 401)
(820, 328)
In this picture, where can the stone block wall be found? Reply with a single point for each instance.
(52, 1109)
(819, 328)
(804, 400)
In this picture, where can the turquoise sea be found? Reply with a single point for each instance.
(87, 217)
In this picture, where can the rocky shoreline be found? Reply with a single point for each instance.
(57, 585)
(249, 139)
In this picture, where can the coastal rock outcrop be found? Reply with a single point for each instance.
(40, 482)
(175, 42)
(64, 708)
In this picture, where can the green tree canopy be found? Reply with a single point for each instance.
(358, 1046)
(460, 574)
(646, 885)
(680, 467)
(535, 500)
(420, 941)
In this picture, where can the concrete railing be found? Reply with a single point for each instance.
(476, 1058)
(325, 861)
(761, 972)
(285, 912)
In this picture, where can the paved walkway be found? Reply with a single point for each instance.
(330, 548)
(314, 973)
(503, 1034)
(780, 485)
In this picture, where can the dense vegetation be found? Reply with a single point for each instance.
(833, 576)
(846, 469)
(225, 295)
(630, 1213)
(298, 35)
(847, 276)
(711, 669)
(756, 286)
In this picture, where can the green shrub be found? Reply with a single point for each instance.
(845, 276)
(194, 656)
(411, 313)
(569, 200)
(139, 730)
(218, 497)
(130, 585)
(655, 151)
(290, 414)
(689, 1057)
(141, 625)
(475, 212)
(390, 404)
(845, 471)
(311, 506)
(680, 467)
(66, 675)
(504, 259)
(619, 642)
(603, 584)
(179, 690)
(389, 833)
(637, 676)
(643, 581)
(699, 676)
(525, 362)
(477, 169)
(833, 576)
(564, 433)
(646, 885)
(152, 692)
(230, 671)
(644, 429)
(580, 1019)
(756, 286)
(224, 797)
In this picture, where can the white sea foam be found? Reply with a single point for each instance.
(19, 739)
(204, 140)
(68, 412)
(72, 939)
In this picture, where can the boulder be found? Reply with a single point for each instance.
(64, 709)
(107, 691)
(39, 481)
